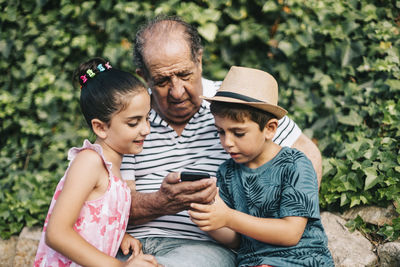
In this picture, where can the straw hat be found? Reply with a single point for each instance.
(251, 87)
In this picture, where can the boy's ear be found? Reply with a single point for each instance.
(270, 128)
(99, 128)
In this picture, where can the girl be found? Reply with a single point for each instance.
(89, 212)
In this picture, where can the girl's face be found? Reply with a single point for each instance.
(129, 127)
(244, 141)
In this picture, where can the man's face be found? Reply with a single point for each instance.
(174, 79)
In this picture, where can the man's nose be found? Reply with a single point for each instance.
(177, 88)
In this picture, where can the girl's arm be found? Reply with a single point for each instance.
(283, 232)
(85, 175)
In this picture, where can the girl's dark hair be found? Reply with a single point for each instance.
(106, 92)
(238, 112)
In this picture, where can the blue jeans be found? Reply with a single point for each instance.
(176, 252)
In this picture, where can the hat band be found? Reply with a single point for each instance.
(237, 96)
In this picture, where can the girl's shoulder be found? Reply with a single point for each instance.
(88, 156)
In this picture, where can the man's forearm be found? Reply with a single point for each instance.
(145, 207)
(305, 145)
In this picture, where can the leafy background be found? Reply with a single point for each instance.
(337, 63)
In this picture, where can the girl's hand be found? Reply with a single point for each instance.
(129, 242)
(210, 217)
(142, 260)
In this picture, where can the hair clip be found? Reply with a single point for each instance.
(100, 67)
(83, 78)
(90, 73)
(108, 66)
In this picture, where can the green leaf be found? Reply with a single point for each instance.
(371, 178)
(270, 6)
(208, 31)
(352, 119)
(286, 47)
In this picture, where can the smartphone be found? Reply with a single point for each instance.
(193, 176)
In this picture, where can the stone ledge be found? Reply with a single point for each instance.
(349, 249)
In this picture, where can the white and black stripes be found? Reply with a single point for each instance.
(196, 149)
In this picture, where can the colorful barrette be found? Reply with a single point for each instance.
(100, 67)
(83, 78)
(108, 66)
(90, 73)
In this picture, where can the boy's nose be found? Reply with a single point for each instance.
(228, 142)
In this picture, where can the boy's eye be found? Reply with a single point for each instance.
(239, 134)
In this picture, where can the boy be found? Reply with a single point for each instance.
(267, 206)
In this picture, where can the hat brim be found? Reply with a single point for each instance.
(273, 109)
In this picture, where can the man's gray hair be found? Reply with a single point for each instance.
(169, 23)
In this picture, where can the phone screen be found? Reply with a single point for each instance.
(193, 176)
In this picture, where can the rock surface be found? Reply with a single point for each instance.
(348, 249)
(372, 214)
(389, 254)
(26, 246)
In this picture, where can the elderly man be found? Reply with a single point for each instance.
(168, 55)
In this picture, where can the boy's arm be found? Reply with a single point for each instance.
(283, 232)
(226, 236)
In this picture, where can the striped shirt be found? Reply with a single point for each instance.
(197, 149)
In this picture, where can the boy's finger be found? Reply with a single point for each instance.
(199, 207)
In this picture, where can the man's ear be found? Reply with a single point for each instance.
(141, 74)
(99, 128)
(200, 60)
(270, 128)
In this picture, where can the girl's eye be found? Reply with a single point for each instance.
(132, 124)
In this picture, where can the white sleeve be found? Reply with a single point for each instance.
(127, 168)
(210, 87)
(287, 133)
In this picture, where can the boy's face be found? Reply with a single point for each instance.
(244, 141)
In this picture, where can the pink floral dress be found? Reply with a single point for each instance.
(101, 222)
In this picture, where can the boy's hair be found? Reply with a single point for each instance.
(239, 112)
(105, 93)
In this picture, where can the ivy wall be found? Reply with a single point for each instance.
(336, 61)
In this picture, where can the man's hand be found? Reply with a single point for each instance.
(173, 196)
(178, 196)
